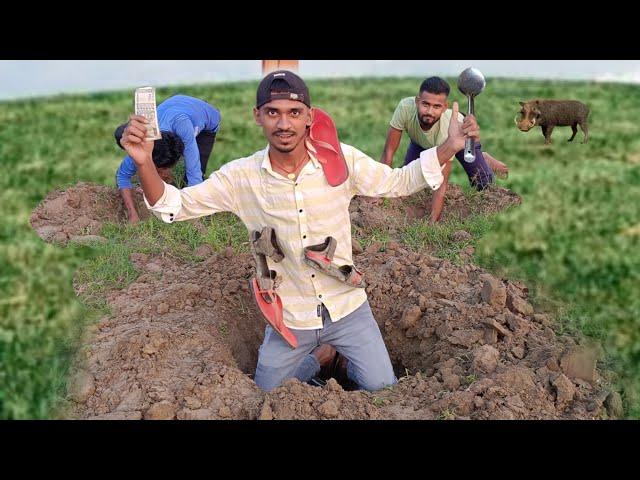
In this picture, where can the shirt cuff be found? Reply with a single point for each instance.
(431, 168)
(168, 205)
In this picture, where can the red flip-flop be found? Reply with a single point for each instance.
(323, 136)
(270, 306)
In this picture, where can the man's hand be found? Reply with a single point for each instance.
(460, 131)
(437, 201)
(130, 205)
(133, 141)
(499, 168)
(391, 145)
(133, 217)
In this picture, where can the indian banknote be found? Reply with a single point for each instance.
(145, 105)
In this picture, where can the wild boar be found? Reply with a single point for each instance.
(553, 113)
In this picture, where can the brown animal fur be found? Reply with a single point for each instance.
(548, 114)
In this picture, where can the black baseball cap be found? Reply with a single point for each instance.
(282, 85)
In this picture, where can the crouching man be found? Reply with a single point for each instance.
(426, 119)
(188, 126)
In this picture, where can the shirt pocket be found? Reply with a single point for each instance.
(278, 197)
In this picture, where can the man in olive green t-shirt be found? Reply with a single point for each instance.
(426, 119)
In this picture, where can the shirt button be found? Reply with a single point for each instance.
(304, 236)
(319, 296)
(313, 275)
(300, 210)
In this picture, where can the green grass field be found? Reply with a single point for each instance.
(574, 240)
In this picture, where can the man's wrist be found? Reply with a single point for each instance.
(456, 146)
(146, 164)
(446, 151)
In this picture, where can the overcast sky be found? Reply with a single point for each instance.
(27, 78)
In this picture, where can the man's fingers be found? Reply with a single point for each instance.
(138, 118)
(131, 139)
(138, 125)
(456, 109)
(136, 129)
(469, 123)
(475, 134)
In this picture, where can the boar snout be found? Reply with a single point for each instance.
(524, 124)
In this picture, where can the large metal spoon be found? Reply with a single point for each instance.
(471, 82)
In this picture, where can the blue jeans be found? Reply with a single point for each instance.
(479, 173)
(355, 336)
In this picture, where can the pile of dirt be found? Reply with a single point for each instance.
(392, 214)
(178, 345)
(183, 339)
(182, 342)
(78, 213)
(476, 345)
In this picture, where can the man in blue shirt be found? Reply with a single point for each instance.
(188, 127)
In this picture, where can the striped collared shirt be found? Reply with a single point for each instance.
(303, 212)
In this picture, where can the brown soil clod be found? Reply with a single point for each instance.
(79, 212)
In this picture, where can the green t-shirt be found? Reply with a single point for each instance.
(405, 118)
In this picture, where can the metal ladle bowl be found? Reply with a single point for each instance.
(471, 83)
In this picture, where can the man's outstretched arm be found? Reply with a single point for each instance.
(140, 150)
(467, 129)
(129, 205)
(123, 179)
(391, 145)
(438, 197)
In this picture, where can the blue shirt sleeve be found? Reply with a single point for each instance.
(184, 129)
(126, 170)
(215, 119)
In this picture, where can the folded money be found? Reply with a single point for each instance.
(145, 105)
